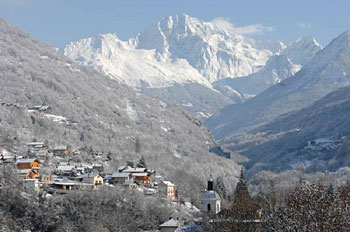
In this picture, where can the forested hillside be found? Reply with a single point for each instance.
(105, 116)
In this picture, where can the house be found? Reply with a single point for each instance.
(97, 167)
(33, 163)
(36, 146)
(65, 170)
(31, 185)
(135, 170)
(92, 178)
(142, 177)
(61, 150)
(27, 173)
(170, 190)
(122, 168)
(77, 152)
(120, 178)
(131, 184)
(65, 187)
(169, 226)
(45, 178)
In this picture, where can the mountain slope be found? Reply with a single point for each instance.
(327, 71)
(108, 116)
(301, 51)
(276, 69)
(196, 98)
(316, 137)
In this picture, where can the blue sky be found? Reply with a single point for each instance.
(61, 21)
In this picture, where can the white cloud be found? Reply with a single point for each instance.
(304, 25)
(244, 30)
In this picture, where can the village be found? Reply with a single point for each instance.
(67, 176)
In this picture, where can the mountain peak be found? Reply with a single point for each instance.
(339, 45)
(302, 50)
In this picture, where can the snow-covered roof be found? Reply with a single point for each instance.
(23, 171)
(36, 144)
(60, 147)
(129, 182)
(65, 168)
(120, 175)
(21, 161)
(168, 183)
(108, 177)
(210, 195)
(133, 170)
(171, 223)
(91, 175)
(140, 174)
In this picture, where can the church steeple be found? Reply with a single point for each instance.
(210, 201)
(210, 184)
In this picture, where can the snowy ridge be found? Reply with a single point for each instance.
(135, 67)
(327, 71)
(178, 49)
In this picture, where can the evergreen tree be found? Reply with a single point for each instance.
(137, 145)
(220, 187)
(142, 163)
(244, 207)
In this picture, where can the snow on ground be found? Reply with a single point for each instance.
(204, 115)
(56, 118)
(188, 104)
(131, 110)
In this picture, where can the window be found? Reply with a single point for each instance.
(208, 207)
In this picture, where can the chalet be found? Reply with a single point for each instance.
(36, 146)
(45, 178)
(120, 178)
(76, 152)
(142, 177)
(65, 170)
(42, 154)
(93, 178)
(122, 168)
(131, 184)
(65, 187)
(169, 226)
(27, 173)
(8, 158)
(61, 150)
(28, 164)
(170, 190)
(97, 167)
(135, 170)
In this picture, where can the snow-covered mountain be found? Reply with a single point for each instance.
(180, 51)
(214, 51)
(177, 49)
(276, 69)
(328, 70)
(301, 51)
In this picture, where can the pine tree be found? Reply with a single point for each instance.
(137, 145)
(142, 163)
(244, 207)
(220, 187)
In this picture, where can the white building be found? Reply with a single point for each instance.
(210, 201)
